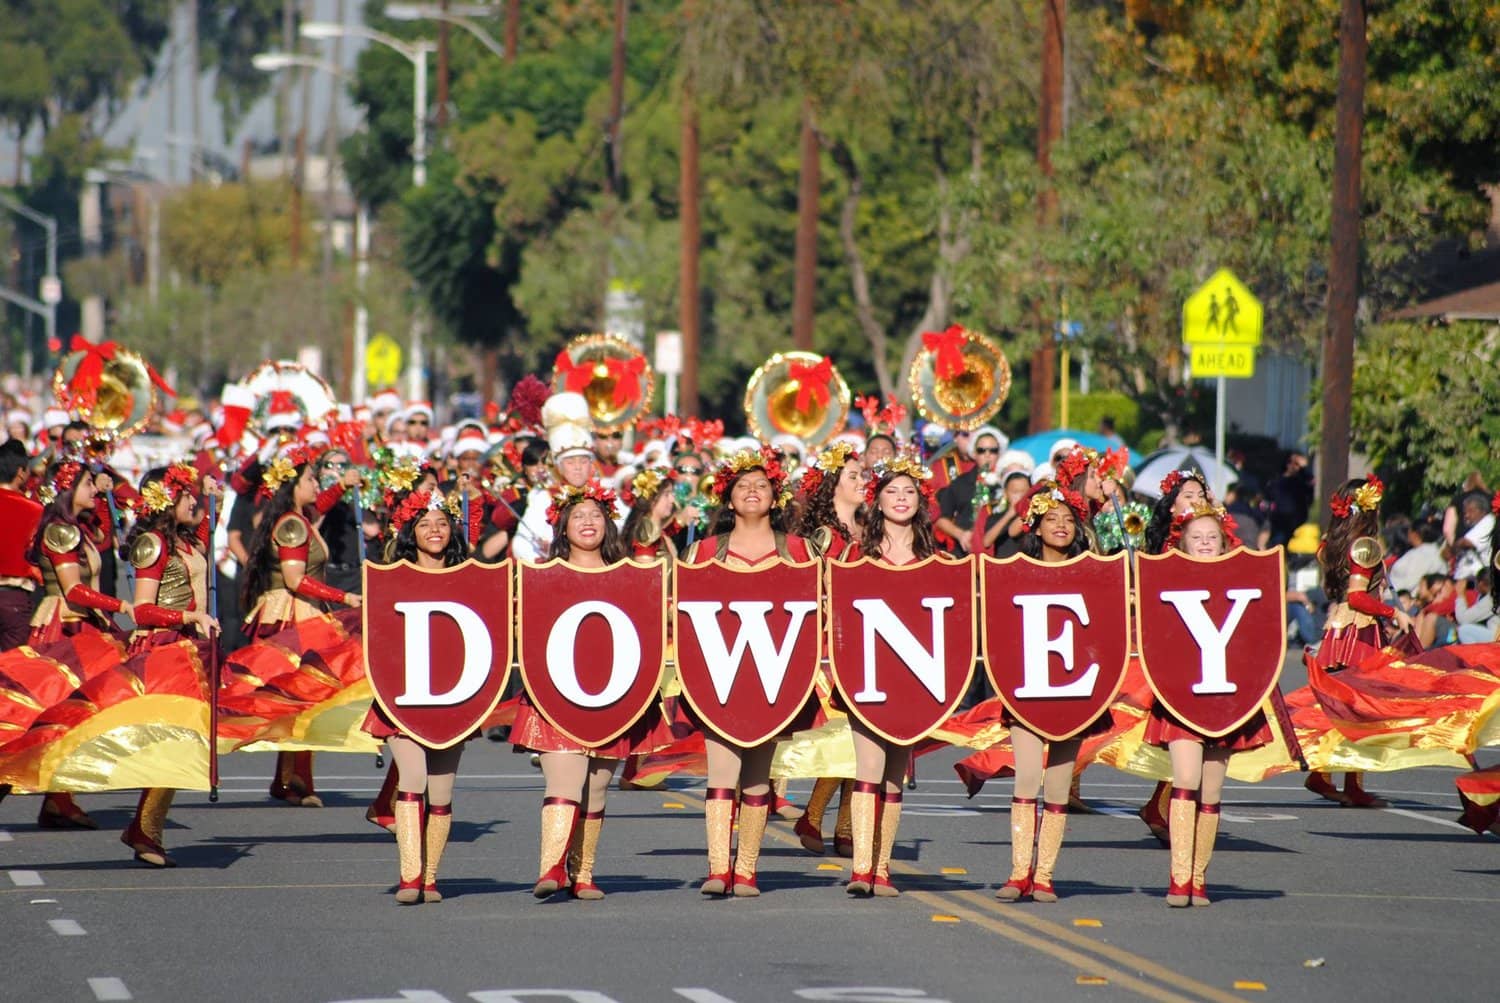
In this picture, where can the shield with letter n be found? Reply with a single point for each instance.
(437, 646)
(748, 644)
(592, 645)
(1212, 633)
(1056, 638)
(904, 642)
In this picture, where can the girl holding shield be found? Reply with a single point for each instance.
(1199, 762)
(750, 488)
(427, 534)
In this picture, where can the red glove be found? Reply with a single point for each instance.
(328, 498)
(1367, 604)
(82, 595)
(151, 615)
(310, 588)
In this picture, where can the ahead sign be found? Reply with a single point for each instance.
(1236, 361)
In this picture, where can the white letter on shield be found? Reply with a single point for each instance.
(930, 667)
(624, 654)
(477, 653)
(754, 633)
(1213, 641)
(1036, 646)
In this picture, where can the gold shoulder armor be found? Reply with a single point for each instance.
(647, 533)
(1366, 552)
(290, 532)
(61, 537)
(146, 550)
(820, 541)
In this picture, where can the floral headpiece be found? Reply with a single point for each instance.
(1048, 495)
(160, 495)
(418, 503)
(746, 460)
(1495, 503)
(284, 468)
(1075, 464)
(1171, 482)
(649, 481)
(880, 419)
(1366, 498)
(830, 461)
(63, 479)
(400, 474)
(566, 496)
(1113, 464)
(1198, 511)
(901, 463)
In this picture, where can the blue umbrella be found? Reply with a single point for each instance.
(1039, 446)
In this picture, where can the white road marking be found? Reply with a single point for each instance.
(5, 836)
(110, 989)
(1427, 817)
(43, 901)
(66, 927)
(26, 879)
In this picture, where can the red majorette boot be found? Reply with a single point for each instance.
(843, 827)
(439, 825)
(718, 823)
(1357, 797)
(781, 804)
(1182, 820)
(409, 847)
(381, 811)
(809, 827)
(559, 816)
(1154, 812)
(1022, 850)
(864, 805)
(60, 811)
(890, 821)
(1203, 848)
(1321, 784)
(144, 834)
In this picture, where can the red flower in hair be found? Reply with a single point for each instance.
(1075, 465)
(1495, 503)
(746, 460)
(67, 476)
(1340, 505)
(1114, 464)
(1048, 495)
(1226, 523)
(567, 496)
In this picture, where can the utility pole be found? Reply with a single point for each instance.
(195, 104)
(442, 67)
(512, 29)
(1343, 262)
(1049, 131)
(171, 147)
(331, 150)
(687, 309)
(805, 281)
(614, 181)
(296, 201)
(289, 43)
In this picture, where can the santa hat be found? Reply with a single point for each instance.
(238, 401)
(1001, 439)
(385, 402)
(173, 421)
(786, 443)
(1062, 446)
(569, 429)
(55, 417)
(470, 440)
(419, 407)
(282, 412)
(1015, 459)
(17, 415)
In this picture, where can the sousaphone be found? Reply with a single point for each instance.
(959, 379)
(797, 393)
(113, 389)
(613, 376)
(313, 397)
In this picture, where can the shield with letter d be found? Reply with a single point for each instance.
(904, 642)
(437, 646)
(1212, 633)
(592, 645)
(748, 643)
(1056, 638)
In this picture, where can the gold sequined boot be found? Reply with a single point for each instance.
(890, 821)
(559, 816)
(409, 846)
(1182, 823)
(1203, 848)
(1022, 850)
(588, 849)
(863, 808)
(718, 821)
(809, 827)
(754, 808)
(1049, 840)
(439, 824)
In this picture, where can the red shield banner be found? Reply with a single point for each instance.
(748, 645)
(593, 645)
(437, 646)
(1056, 638)
(904, 642)
(1212, 633)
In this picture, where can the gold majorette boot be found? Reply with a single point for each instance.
(863, 804)
(1049, 840)
(559, 816)
(439, 824)
(409, 846)
(588, 850)
(1182, 824)
(890, 821)
(754, 808)
(144, 834)
(718, 823)
(809, 827)
(1206, 833)
(843, 826)
(1022, 850)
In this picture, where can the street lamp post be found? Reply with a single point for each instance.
(51, 291)
(415, 53)
(459, 15)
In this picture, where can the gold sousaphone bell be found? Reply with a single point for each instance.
(611, 373)
(797, 393)
(314, 398)
(959, 379)
(121, 404)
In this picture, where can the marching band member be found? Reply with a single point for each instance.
(168, 549)
(577, 777)
(1353, 563)
(19, 518)
(1056, 520)
(750, 487)
(894, 530)
(834, 489)
(566, 419)
(1199, 763)
(283, 583)
(64, 550)
(652, 520)
(427, 534)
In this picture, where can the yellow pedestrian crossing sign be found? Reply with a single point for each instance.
(1222, 312)
(1233, 361)
(382, 361)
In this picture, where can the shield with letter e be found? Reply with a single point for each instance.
(437, 646)
(748, 644)
(1056, 638)
(904, 642)
(592, 645)
(1212, 633)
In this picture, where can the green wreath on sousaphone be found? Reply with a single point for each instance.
(797, 393)
(959, 379)
(611, 373)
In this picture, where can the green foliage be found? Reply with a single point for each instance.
(1085, 411)
(210, 234)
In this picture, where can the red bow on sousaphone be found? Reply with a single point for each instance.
(612, 375)
(797, 393)
(947, 346)
(111, 387)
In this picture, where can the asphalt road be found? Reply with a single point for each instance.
(271, 902)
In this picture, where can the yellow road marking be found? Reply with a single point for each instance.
(1087, 922)
(830, 867)
(1091, 980)
(1254, 987)
(953, 870)
(673, 804)
(942, 918)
